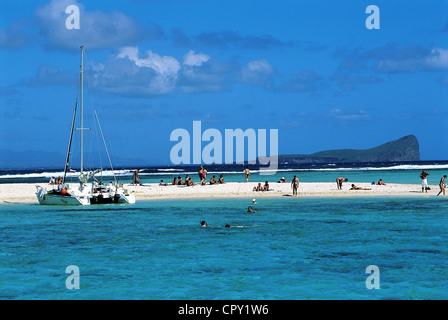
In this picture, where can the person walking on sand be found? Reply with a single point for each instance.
(423, 176)
(136, 178)
(246, 174)
(339, 182)
(442, 186)
(295, 185)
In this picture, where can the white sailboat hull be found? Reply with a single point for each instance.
(46, 198)
(83, 197)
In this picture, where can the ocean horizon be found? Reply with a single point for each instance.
(396, 172)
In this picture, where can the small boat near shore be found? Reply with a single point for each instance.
(86, 193)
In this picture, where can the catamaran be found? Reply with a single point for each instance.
(86, 193)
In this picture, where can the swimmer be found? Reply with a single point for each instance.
(203, 224)
(253, 201)
(250, 210)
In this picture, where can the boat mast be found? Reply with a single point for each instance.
(82, 110)
(67, 160)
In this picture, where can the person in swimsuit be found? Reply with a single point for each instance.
(339, 182)
(442, 186)
(295, 185)
(136, 178)
(213, 180)
(247, 174)
(204, 176)
(358, 188)
(201, 169)
(266, 186)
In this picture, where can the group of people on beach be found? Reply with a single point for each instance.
(202, 174)
(259, 187)
(57, 181)
(425, 188)
(423, 176)
(340, 180)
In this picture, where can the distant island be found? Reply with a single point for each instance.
(403, 149)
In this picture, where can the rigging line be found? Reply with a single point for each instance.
(105, 146)
(92, 104)
(100, 109)
(89, 86)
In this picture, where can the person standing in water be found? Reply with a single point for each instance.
(295, 185)
(442, 186)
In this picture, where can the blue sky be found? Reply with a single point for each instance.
(310, 69)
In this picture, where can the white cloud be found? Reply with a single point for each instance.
(134, 73)
(413, 58)
(257, 72)
(349, 115)
(129, 73)
(195, 59)
(164, 65)
(437, 60)
(98, 29)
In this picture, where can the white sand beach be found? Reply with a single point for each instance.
(25, 192)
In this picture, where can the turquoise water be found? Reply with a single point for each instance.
(291, 248)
